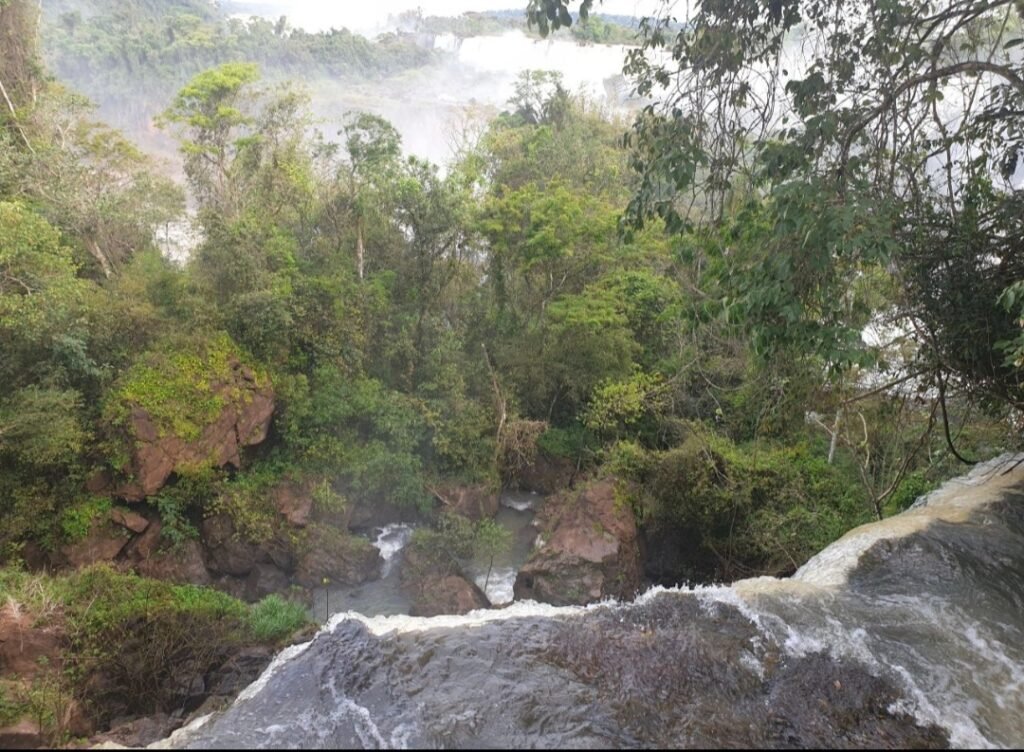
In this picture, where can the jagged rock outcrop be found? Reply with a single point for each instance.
(453, 594)
(590, 550)
(156, 453)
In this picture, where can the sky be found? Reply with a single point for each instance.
(367, 17)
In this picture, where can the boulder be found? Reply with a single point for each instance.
(103, 542)
(343, 559)
(472, 502)
(453, 594)
(436, 585)
(143, 546)
(226, 552)
(243, 421)
(128, 519)
(136, 733)
(182, 564)
(263, 580)
(591, 550)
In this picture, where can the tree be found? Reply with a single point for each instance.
(876, 142)
(374, 150)
(208, 113)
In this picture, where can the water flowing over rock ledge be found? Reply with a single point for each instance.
(903, 633)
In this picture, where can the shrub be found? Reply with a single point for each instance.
(273, 618)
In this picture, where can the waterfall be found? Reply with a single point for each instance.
(906, 632)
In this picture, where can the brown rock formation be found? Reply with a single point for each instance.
(103, 542)
(244, 421)
(294, 501)
(129, 520)
(591, 550)
(453, 594)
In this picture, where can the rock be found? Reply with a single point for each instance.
(367, 514)
(294, 501)
(99, 483)
(472, 502)
(239, 671)
(263, 580)
(244, 421)
(136, 733)
(437, 586)
(591, 550)
(453, 594)
(145, 545)
(337, 556)
(181, 564)
(129, 519)
(226, 552)
(103, 542)
(26, 650)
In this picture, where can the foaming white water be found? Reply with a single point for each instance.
(952, 502)
(499, 587)
(521, 501)
(383, 625)
(390, 542)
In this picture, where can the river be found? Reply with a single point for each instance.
(906, 632)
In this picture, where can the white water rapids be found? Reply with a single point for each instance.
(908, 626)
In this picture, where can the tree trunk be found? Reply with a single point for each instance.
(360, 249)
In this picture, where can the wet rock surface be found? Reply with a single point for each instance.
(600, 680)
(903, 634)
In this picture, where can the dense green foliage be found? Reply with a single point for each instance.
(419, 327)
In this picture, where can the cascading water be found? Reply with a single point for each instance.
(906, 632)
(497, 576)
(380, 597)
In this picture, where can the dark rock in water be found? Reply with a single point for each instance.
(436, 586)
(453, 594)
(328, 553)
(591, 550)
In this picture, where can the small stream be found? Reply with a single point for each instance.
(384, 597)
